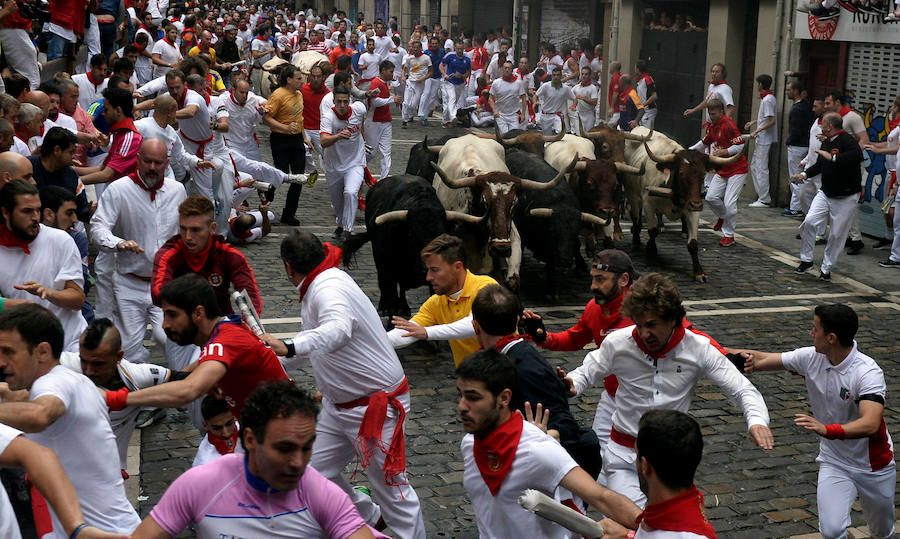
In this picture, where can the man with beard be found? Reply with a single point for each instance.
(53, 166)
(232, 361)
(135, 216)
(39, 263)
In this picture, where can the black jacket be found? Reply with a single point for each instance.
(840, 177)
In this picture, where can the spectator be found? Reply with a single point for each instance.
(18, 49)
(800, 119)
(6, 135)
(612, 92)
(646, 91)
(766, 133)
(15, 166)
(628, 105)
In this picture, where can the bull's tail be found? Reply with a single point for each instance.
(351, 245)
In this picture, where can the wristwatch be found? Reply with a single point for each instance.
(291, 351)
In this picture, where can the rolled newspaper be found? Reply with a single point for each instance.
(244, 306)
(546, 507)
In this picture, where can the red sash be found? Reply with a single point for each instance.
(495, 453)
(683, 513)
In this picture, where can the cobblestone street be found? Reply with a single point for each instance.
(753, 299)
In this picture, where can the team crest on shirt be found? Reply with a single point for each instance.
(215, 279)
(845, 394)
(493, 461)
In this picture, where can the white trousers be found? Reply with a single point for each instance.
(551, 123)
(136, 310)
(452, 94)
(854, 233)
(648, 119)
(508, 122)
(336, 433)
(21, 54)
(895, 246)
(343, 187)
(378, 136)
(426, 104)
(838, 488)
(472, 84)
(799, 192)
(482, 119)
(258, 170)
(603, 417)
(571, 118)
(722, 197)
(411, 98)
(105, 270)
(202, 178)
(315, 139)
(92, 40)
(587, 120)
(223, 185)
(619, 472)
(841, 211)
(759, 169)
(249, 149)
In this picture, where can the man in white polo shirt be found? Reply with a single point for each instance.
(553, 98)
(846, 392)
(508, 100)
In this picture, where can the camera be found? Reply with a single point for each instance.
(38, 10)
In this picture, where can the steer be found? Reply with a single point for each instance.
(548, 221)
(671, 188)
(422, 154)
(403, 214)
(531, 141)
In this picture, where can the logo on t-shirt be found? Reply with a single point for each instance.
(845, 394)
(215, 279)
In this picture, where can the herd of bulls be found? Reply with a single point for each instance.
(526, 189)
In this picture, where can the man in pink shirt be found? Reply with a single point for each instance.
(270, 491)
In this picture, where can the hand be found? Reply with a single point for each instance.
(762, 436)
(371, 93)
(261, 108)
(249, 182)
(205, 164)
(344, 133)
(317, 396)
(612, 529)
(36, 289)
(809, 423)
(412, 329)
(294, 127)
(747, 126)
(721, 152)
(496, 114)
(633, 124)
(569, 383)
(275, 344)
(824, 154)
(751, 361)
(5, 391)
(92, 207)
(820, 137)
(869, 147)
(263, 207)
(398, 99)
(539, 418)
(129, 245)
(688, 112)
(797, 178)
(102, 140)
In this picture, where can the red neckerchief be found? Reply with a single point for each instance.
(233, 100)
(718, 83)
(96, 83)
(764, 93)
(417, 54)
(166, 39)
(332, 260)
(494, 454)
(144, 27)
(586, 84)
(683, 513)
(9, 239)
(844, 110)
(124, 123)
(836, 133)
(261, 38)
(894, 123)
(501, 344)
(140, 183)
(138, 46)
(198, 260)
(242, 27)
(339, 117)
(224, 447)
(677, 336)
(510, 79)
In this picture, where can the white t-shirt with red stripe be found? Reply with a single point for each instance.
(834, 395)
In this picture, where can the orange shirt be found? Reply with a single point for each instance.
(286, 107)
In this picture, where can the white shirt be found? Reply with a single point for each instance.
(492, 46)
(66, 121)
(766, 111)
(508, 96)
(143, 68)
(834, 392)
(397, 59)
(590, 91)
(207, 451)
(383, 45)
(218, 110)
(20, 147)
(344, 340)
(668, 383)
(261, 45)
(9, 526)
(87, 91)
(149, 129)
(891, 159)
(54, 259)
(554, 100)
(167, 53)
(135, 376)
(196, 128)
(540, 464)
(242, 119)
(125, 212)
(494, 69)
(720, 91)
(416, 67)
(814, 144)
(345, 153)
(370, 61)
(85, 444)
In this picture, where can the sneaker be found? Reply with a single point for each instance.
(791, 213)
(718, 225)
(403, 125)
(726, 242)
(888, 263)
(803, 267)
(891, 18)
(821, 241)
(311, 178)
(825, 276)
(337, 233)
(759, 204)
(148, 417)
(855, 247)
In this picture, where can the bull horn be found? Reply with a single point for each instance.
(531, 185)
(453, 184)
(557, 137)
(722, 161)
(628, 169)
(503, 141)
(432, 149)
(638, 138)
(595, 220)
(391, 216)
(592, 135)
(541, 212)
(464, 217)
(581, 128)
(666, 159)
(664, 192)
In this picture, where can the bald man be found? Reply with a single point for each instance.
(159, 126)
(15, 166)
(135, 216)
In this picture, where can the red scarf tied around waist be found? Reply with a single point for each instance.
(494, 454)
(9, 239)
(140, 183)
(332, 260)
(682, 513)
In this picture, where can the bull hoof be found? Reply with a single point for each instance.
(701, 277)
(618, 236)
(513, 284)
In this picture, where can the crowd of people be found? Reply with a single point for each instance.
(149, 154)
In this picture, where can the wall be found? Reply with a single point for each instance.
(564, 22)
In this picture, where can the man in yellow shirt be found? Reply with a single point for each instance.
(205, 45)
(284, 116)
(447, 315)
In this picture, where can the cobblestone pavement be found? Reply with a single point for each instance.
(752, 299)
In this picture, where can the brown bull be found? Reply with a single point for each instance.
(600, 192)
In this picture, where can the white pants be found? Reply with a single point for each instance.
(92, 40)
(378, 136)
(249, 149)
(336, 433)
(795, 154)
(571, 118)
(895, 246)
(722, 197)
(648, 119)
(223, 185)
(841, 211)
(586, 117)
(105, 270)
(179, 357)
(136, 310)
(315, 139)
(808, 190)
(343, 187)
(411, 98)
(508, 122)
(426, 105)
(472, 84)
(854, 232)
(21, 54)
(202, 178)
(836, 491)
(619, 472)
(603, 417)
(481, 119)
(551, 123)
(259, 170)
(452, 94)
(759, 169)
